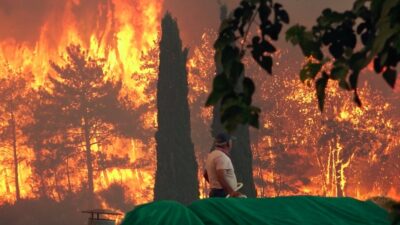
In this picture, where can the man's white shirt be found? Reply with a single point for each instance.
(218, 160)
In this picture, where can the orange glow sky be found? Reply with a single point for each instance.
(21, 20)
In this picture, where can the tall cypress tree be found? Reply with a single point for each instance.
(176, 175)
(241, 154)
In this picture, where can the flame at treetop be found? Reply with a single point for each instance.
(116, 30)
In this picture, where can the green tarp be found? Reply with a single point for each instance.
(161, 213)
(294, 210)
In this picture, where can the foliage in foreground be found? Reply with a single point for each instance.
(376, 23)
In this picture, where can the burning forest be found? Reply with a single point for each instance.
(80, 116)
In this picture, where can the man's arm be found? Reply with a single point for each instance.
(228, 189)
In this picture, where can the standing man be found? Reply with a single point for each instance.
(219, 171)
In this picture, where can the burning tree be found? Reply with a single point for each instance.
(373, 22)
(78, 111)
(284, 141)
(331, 151)
(14, 113)
(241, 153)
(176, 162)
(350, 140)
(201, 71)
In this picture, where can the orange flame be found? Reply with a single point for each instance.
(118, 31)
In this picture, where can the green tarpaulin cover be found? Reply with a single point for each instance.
(294, 210)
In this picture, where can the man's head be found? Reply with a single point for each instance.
(223, 140)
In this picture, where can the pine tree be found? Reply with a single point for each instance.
(13, 115)
(77, 111)
(176, 175)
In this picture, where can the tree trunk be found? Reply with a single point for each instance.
(8, 189)
(43, 189)
(339, 190)
(68, 177)
(260, 172)
(322, 174)
(89, 165)
(278, 185)
(14, 143)
(241, 154)
(338, 170)
(242, 159)
(57, 186)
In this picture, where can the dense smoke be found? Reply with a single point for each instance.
(23, 20)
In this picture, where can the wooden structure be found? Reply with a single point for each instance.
(101, 216)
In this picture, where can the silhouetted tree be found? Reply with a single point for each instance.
(52, 148)
(13, 115)
(80, 109)
(242, 158)
(176, 175)
(241, 154)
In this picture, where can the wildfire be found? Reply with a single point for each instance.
(125, 33)
(117, 31)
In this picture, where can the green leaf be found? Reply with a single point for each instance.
(311, 48)
(390, 76)
(321, 84)
(260, 48)
(354, 80)
(383, 58)
(213, 98)
(282, 15)
(344, 85)
(267, 47)
(248, 90)
(329, 17)
(255, 1)
(386, 30)
(295, 33)
(225, 25)
(254, 121)
(385, 33)
(221, 87)
(248, 12)
(238, 13)
(264, 61)
(221, 83)
(225, 38)
(357, 99)
(358, 4)
(229, 54)
(254, 116)
(339, 72)
(248, 86)
(358, 61)
(309, 71)
(229, 100)
(236, 71)
(263, 12)
(298, 35)
(231, 117)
